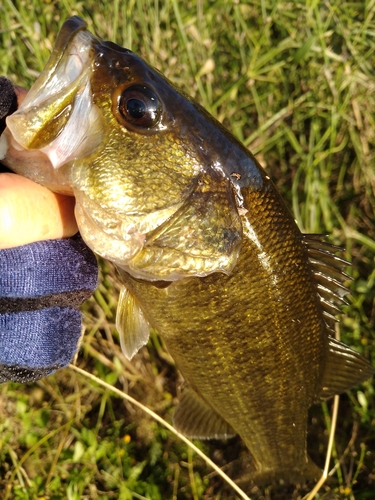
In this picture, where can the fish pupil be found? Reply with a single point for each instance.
(135, 108)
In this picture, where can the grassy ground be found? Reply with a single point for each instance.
(295, 82)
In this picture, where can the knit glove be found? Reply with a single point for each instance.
(41, 286)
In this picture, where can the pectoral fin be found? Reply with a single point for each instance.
(196, 419)
(345, 368)
(131, 324)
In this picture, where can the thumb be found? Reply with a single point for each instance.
(30, 212)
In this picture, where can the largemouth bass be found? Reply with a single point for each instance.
(207, 251)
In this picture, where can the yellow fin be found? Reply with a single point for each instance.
(345, 368)
(196, 419)
(131, 324)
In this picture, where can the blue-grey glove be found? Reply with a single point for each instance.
(41, 286)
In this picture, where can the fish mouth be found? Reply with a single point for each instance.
(58, 116)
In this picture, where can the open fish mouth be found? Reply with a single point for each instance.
(58, 116)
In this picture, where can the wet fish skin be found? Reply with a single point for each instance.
(207, 250)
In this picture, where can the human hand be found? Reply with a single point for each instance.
(29, 212)
(42, 283)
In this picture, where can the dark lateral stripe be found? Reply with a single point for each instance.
(66, 299)
(22, 375)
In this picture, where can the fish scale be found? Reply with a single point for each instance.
(208, 254)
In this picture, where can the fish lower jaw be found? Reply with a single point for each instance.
(34, 165)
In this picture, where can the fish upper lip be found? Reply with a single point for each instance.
(69, 69)
(80, 48)
(73, 65)
(60, 101)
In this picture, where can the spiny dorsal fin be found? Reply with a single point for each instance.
(197, 419)
(131, 324)
(345, 368)
(329, 274)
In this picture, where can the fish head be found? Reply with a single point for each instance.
(101, 124)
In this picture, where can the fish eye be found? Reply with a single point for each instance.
(139, 106)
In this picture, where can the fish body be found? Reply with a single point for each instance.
(207, 250)
(253, 355)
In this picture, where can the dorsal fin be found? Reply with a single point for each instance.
(195, 418)
(329, 274)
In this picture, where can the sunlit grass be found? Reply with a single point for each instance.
(295, 81)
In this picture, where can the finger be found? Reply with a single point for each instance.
(29, 212)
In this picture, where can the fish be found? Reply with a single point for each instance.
(206, 249)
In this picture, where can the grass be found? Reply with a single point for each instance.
(295, 82)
